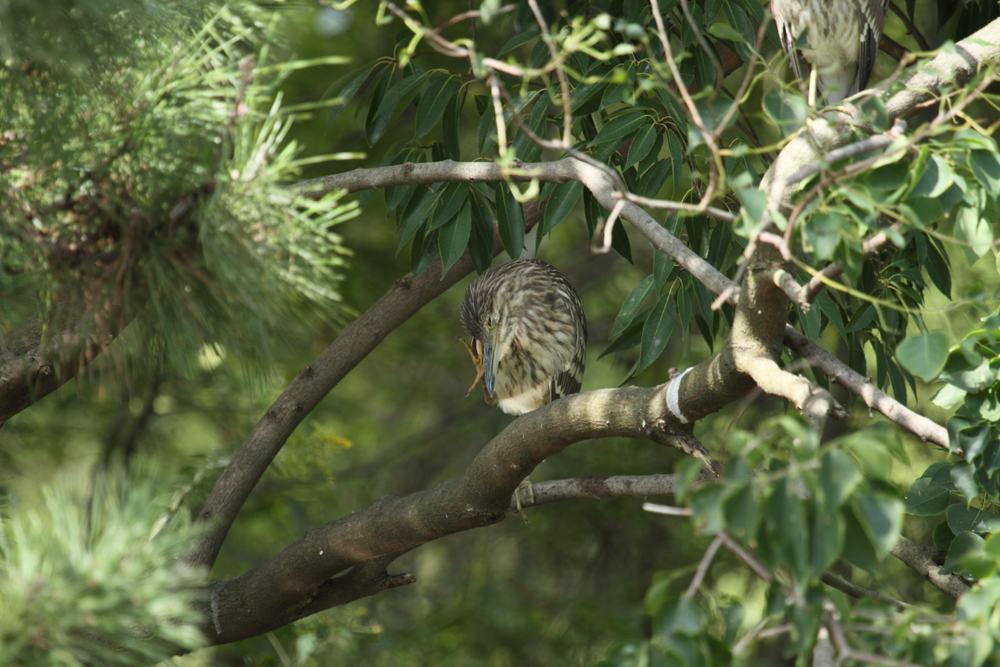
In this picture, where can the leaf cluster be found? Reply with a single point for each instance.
(148, 185)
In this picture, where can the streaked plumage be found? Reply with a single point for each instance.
(529, 334)
(843, 38)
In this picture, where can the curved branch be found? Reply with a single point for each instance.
(311, 384)
(294, 580)
(697, 385)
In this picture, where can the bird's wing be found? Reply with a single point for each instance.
(872, 23)
(801, 68)
(564, 384)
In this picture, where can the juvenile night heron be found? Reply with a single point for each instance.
(529, 335)
(842, 38)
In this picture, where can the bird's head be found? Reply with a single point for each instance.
(486, 319)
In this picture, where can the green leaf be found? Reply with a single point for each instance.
(433, 101)
(454, 236)
(942, 535)
(633, 302)
(395, 94)
(676, 159)
(858, 549)
(986, 168)
(562, 200)
(964, 543)
(451, 200)
(873, 110)
(938, 268)
(641, 145)
(862, 317)
(786, 110)
(620, 242)
(345, 88)
(739, 21)
(449, 129)
(656, 331)
(707, 511)
(420, 206)
(963, 518)
(510, 220)
(926, 498)
(827, 537)
(375, 125)
(723, 31)
(937, 178)
(741, 510)
(620, 126)
(518, 40)
(838, 477)
(881, 517)
(972, 380)
(423, 251)
(662, 266)
(481, 238)
(975, 230)
(628, 338)
(924, 355)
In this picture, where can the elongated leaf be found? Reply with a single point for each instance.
(423, 251)
(481, 238)
(641, 145)
(620, 242)
(510, 220)
(345, 88)
(433, 101)
(628, 338)
(451, 200)
(449, 129)
(397, 91)
(375, 125)
(633, 302)
(454, 236)
(620, 126)
(656, 331)
(662, 266)
(562, 200)
(676, 159)
(420, 206)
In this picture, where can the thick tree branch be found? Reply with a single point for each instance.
(39, 357)
(924, 560)
(293, 581)
(309, 387)
(696, 385)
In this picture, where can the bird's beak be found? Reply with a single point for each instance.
(491, 360)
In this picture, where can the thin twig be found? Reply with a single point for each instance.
(706, 561)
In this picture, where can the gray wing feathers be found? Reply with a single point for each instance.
(872, 24)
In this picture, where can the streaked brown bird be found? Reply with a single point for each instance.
(529, 335)
(842, 38)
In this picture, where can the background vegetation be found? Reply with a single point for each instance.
(145, 160)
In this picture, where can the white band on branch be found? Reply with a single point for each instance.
(673, 397)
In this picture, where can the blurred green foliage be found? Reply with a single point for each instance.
(569, 587)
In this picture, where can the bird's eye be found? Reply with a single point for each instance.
(490, 322)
